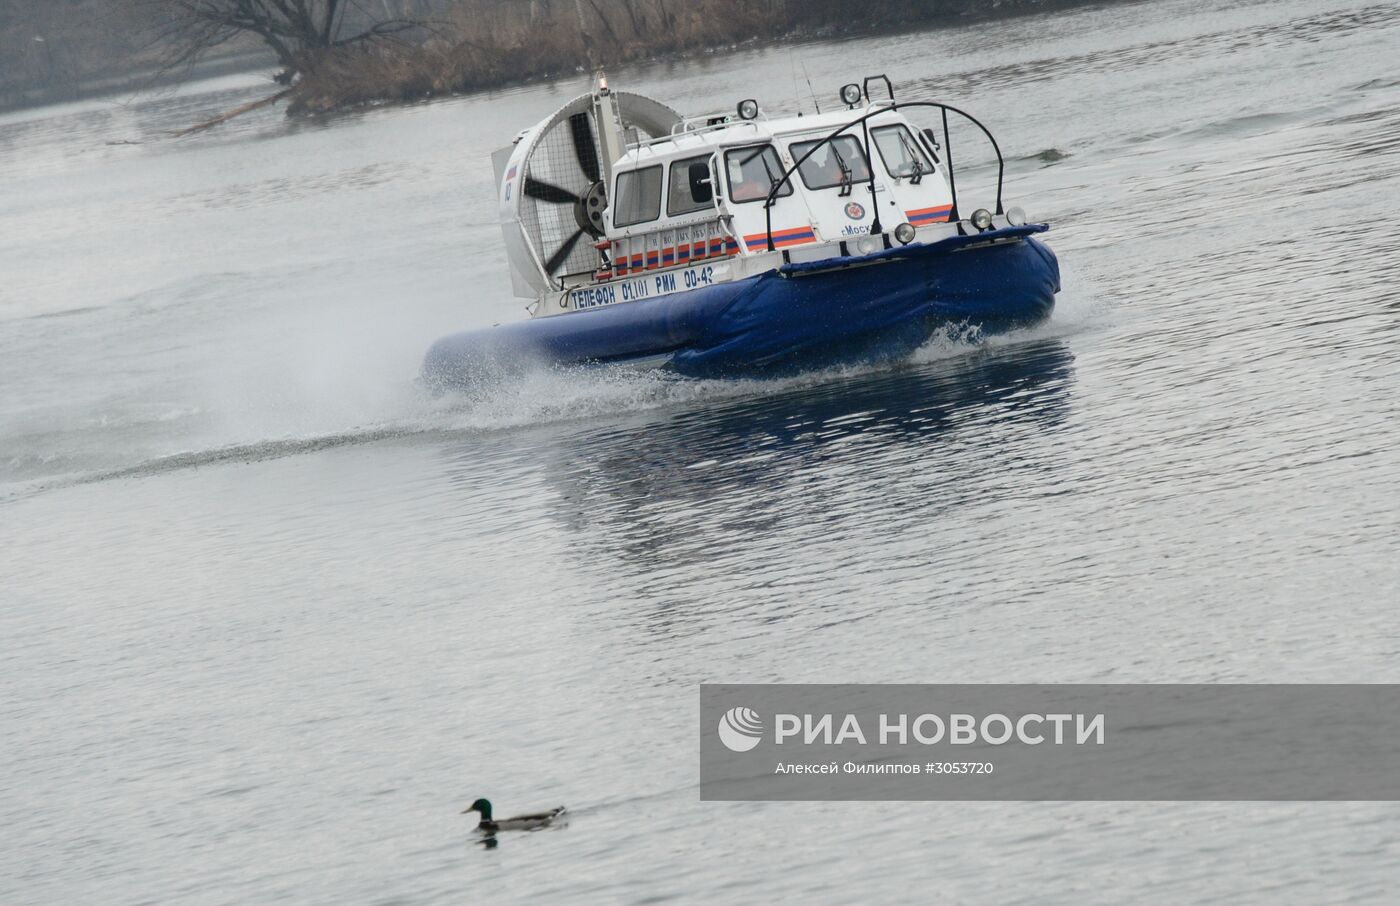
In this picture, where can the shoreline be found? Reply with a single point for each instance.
(508, 52)
(390, 74)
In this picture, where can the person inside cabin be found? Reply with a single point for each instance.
(753, 172)
(750, 191)
(828, 169)
(744, 187)
(836, 163)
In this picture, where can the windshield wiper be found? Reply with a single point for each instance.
(772, 180)
(845, 172)
(918, 175)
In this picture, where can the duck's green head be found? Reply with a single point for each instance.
(480, 805)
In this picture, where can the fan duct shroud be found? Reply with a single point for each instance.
(554, 176)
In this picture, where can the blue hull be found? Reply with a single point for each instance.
(802, 315)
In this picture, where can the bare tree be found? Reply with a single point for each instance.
(297, 31)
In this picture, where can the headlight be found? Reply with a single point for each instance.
(867, 245)
(1016, 216)
(904, 233)
(748, 109)
(850, 94)
(982, 219)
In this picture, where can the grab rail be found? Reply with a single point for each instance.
(875, 229)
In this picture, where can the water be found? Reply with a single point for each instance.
(271, 617)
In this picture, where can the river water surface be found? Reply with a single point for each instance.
(272, 617)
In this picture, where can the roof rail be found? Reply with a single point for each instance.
(863, 121)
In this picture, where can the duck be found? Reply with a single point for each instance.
(533, 821)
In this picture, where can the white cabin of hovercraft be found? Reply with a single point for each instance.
(614, 186)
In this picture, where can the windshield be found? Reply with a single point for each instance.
(838, 162)
(752, 173)
(901, 154)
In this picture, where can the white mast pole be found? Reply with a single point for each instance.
(610, 137)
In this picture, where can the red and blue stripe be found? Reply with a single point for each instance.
(672, 255)
(781, 238)
(924, 216)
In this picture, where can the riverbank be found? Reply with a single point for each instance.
(483, 46)
(461, 46)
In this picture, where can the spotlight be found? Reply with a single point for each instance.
(1016, 215)
(850, 94)
(904, 233)
(748, 109)
(982, 219)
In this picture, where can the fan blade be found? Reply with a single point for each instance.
(584, 146)
(564, 251)
(546, 192)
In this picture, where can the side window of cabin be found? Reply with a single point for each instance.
(838, 162)
(901, 153)
(752, 173)
(638, 196)
(691, 188)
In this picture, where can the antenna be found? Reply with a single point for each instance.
(809, 87)
(796, 95)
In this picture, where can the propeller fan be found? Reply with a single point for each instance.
(588, 203)
(552, 184)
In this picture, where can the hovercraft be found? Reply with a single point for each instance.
(738, 245)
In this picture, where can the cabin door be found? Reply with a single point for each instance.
(919, 192)
(750, 173)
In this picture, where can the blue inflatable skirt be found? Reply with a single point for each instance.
(801, 315)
